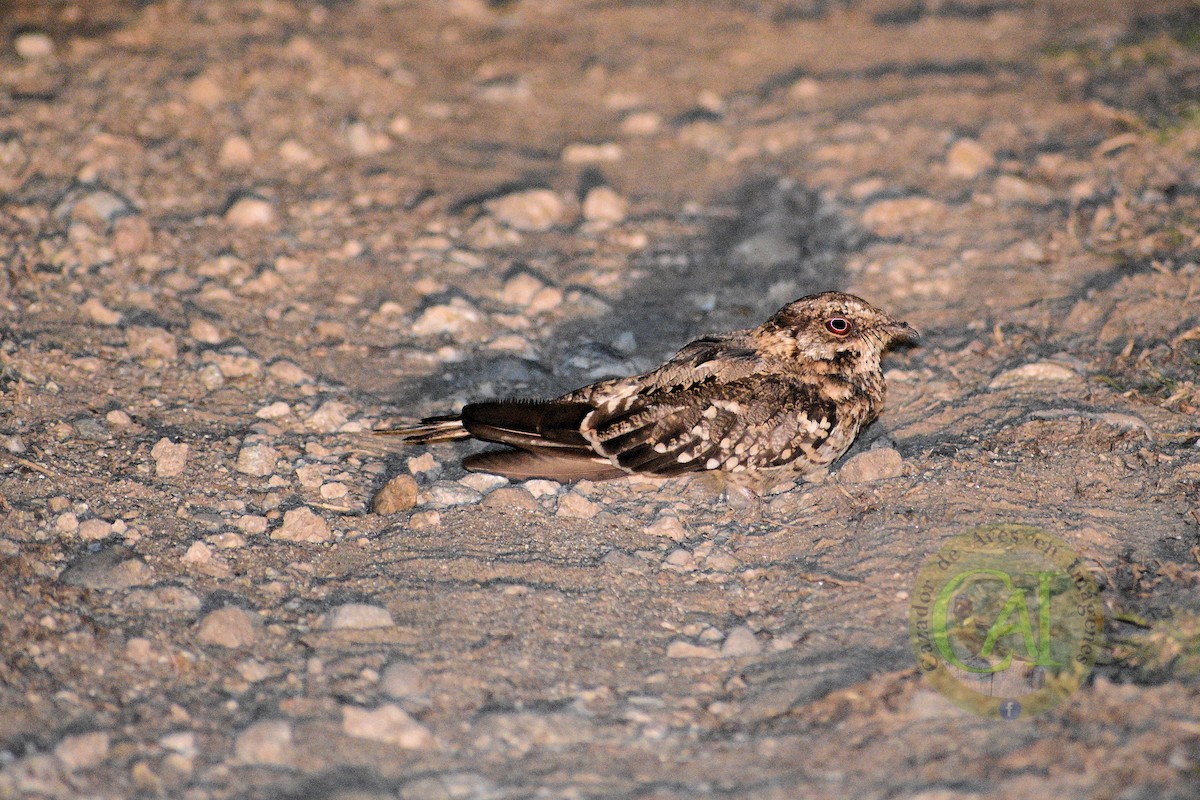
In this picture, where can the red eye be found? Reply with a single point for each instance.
(838, 326)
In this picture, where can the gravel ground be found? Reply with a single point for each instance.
(237, 236)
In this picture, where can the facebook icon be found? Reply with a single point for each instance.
(1010, 709)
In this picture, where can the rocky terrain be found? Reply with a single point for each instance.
(235, 237)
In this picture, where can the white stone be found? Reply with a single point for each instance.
(873, 465)
(267, 742)
(531, 210)
(520, 289)
(602, 204)
(258, 460)
(681, 648)
(33, 46)
(358, 616)
(966, 158)
(576, 506)
(303, 525)
(450, 318)
(740, 642)
(330, 417)
(170, 458)
(93, 530)
(83, 751)
(230, 627)
(98, 313)
(388, 723)
(668, 526)
(1038, 371)
(250, 212)
(444, 493)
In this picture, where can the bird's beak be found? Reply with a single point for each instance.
(902, 332)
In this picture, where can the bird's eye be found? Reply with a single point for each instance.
(838, 326)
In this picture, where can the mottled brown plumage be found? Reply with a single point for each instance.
(762, 405)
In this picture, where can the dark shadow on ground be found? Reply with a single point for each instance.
(782, 240)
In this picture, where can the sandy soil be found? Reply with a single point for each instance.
(237, 236)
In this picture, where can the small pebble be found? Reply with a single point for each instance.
(334, 490)
(131, 235)
(401, 679)
(329, 418)
(545, 300)
(542, 488)
(510, 497)
(82, 751)
(387, 723)
(721, 560)
(531, 210)
(358, 616)
(275, 410)
(119, 419)
(33, 46)
(93, 530)
(252, 524)
(287, 372)
(398, 494)
(967, 158)
(235, 365)
(250, 212)
(199, 553)
(642, 123)
(681, 559)
(685, 649)
(236, 153)
(451, 318)
(582, 153)
(15, 444)
(482, 481)
(205, 332)
(98, 313)
(873, 465)
(303, 525)
(295, 154)
(267, 742)
(66, 522)
(602, 204)
(447, 493)
(668, 526)
(576, 506)
(258, 460)
(138, 650)
(169, 458)
(519, 290)
(230, 627)
(146, 342)
(424, 519)
(1048, 371)
(741, 642)
(422, 464)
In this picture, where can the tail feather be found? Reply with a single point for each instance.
(446, 428)
(555, 465)
(522, 423)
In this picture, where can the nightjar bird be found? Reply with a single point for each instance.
(759, 406)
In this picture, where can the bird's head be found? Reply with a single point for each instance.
(846, 331)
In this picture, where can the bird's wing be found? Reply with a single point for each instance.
(759, 421)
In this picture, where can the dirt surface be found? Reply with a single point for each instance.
(237, 236)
